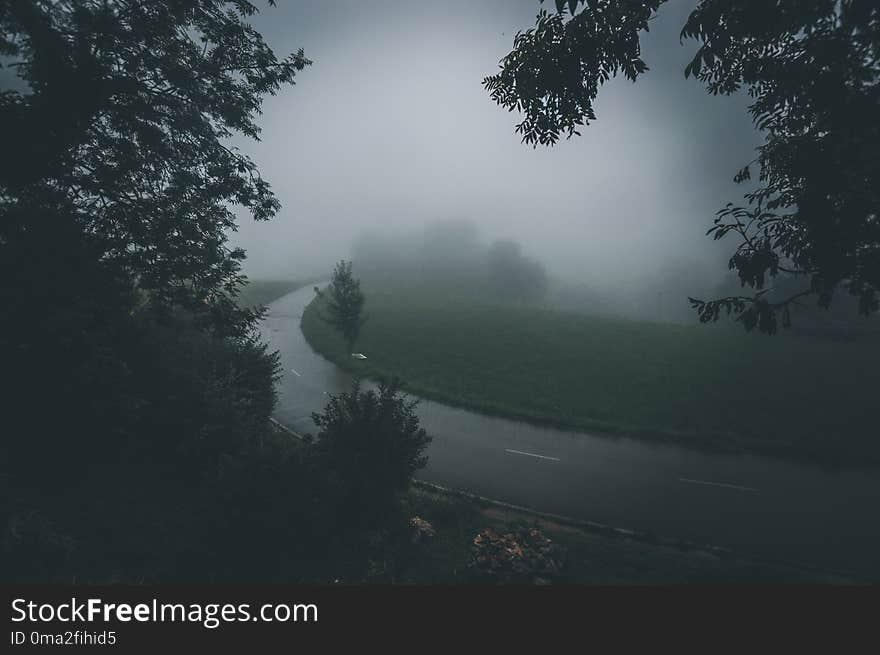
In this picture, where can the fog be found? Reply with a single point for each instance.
(391, 129)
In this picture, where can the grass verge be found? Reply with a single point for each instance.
(593, 556)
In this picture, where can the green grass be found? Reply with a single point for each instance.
(262, 292)
(703, 385)
(592, 556)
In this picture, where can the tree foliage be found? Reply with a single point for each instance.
(133, 367)
(345, 303)
(125, 119)
(373, 443)
(514, 277)
(449, 259)
(811, 69)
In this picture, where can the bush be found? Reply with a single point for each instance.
(120, 423)
(371, 442)
(66, 324)
(137, 445)
(203, 396)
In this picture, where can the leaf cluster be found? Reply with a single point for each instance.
(812, 71)
(124, 115)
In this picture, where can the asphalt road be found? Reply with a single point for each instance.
(760, 506)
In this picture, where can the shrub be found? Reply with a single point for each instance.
(372, 444)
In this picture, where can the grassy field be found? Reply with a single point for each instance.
(707, 386)
(593, 556)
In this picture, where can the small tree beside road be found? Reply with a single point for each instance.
(345, 304)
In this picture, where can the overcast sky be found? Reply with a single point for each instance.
(391, 127)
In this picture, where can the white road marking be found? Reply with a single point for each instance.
(294, 371)
(519, 452)
(719, 484)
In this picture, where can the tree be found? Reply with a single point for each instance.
(812, 71)
(345, 304)
(372, 441)
(513, 277)
(117, 186)
(123, 120)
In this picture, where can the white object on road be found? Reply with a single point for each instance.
(520, 452)
(359, 355)
(293, 370)
(718, 484)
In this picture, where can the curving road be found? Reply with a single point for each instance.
(761, 506)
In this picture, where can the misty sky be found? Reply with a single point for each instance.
(391, 127)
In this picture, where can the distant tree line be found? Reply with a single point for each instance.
(449, 257)
(512, 276)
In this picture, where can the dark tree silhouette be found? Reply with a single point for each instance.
(118, 302)
(514, 277)
(345, 304)
(812, 71)
(373, 443)
(123, 120)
